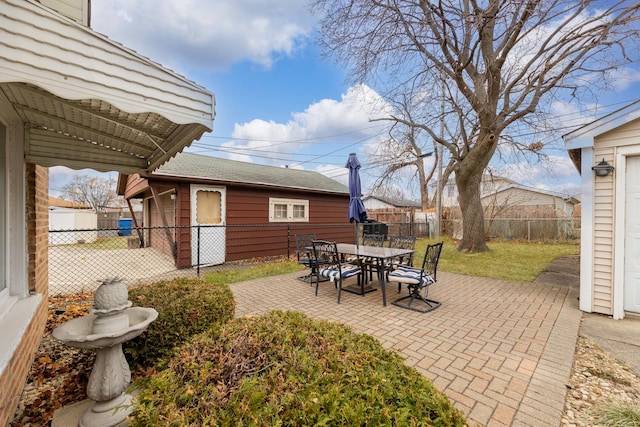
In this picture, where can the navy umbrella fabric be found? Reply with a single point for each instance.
(357, 211)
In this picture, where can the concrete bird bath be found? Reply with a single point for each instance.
(112, 322)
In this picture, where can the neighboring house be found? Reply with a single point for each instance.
(379, 202)
(224, 196)
(394, 212)
(69, 97)
(490, 184)
(518, 201)
(609, 249)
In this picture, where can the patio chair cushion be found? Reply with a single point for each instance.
(410, 276)
(333, 273)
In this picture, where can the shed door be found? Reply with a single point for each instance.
(632, 236)
(208, 237)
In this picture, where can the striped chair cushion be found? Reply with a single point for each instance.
(410, 276)
(333, 274)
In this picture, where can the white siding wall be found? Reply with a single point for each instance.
(603, 239)
(376, 204)
(78, 10)
(606, 146)
(69, 219)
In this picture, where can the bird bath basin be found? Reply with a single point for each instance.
(112, 323)
(78, 332)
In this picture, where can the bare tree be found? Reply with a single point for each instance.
(91, 191)
(404, 149)
(492, 63)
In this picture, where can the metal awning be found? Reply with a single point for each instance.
(88, 102)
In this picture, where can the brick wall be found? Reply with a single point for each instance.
(14, 377)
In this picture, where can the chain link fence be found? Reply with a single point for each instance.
(80, 259)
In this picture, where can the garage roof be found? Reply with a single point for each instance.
(189, 166)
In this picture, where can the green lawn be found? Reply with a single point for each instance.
(119, 242)
(506, 260)
(512, 261)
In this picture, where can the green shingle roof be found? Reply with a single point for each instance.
(189, 165)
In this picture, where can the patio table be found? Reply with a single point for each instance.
(377, 252)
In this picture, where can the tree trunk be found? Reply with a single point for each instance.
(473, 239)
(469, 176)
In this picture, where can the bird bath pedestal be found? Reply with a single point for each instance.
(113, 321)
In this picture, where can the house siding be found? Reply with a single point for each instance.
(135, 184)
(251, 206)
(183, 220)
(605, 146)
(14, 377)
(521, 203)
(247, 221)
(603, 237)
(78, 10)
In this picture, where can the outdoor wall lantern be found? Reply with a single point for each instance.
(173, 195)
(602, 168)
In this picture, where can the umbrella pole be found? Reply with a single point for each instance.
(355, 232)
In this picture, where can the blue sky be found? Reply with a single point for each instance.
(278, 102)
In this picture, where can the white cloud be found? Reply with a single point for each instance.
(557, 173)
(209, 34)
(327, 121)
(340, 174)
(623, 77)
(567, 116)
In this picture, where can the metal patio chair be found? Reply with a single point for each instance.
(418, 281)
(369, 265)
(400, 242)
(328, 264)
(304, 254)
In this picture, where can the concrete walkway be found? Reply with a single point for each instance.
(502, 352)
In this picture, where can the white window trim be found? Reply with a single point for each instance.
(273, 201)
(17, 307)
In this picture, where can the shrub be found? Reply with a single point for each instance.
(186, 307)
(287, 369)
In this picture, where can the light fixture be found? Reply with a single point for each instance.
(173, 195)
(602, 168)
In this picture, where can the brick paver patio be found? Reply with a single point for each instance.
(501, 351)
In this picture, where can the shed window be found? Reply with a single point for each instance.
(288, 210)
(208, 207)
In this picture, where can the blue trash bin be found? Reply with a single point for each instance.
(124, 226)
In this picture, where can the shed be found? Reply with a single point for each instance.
(373, 202)
(235, 210)
(72, 220)
(610, 233)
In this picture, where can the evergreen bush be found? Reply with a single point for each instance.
(186, 307)
(285, 368)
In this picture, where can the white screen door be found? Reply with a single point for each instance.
(208, 237)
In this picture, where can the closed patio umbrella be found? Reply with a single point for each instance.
(357, 211)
